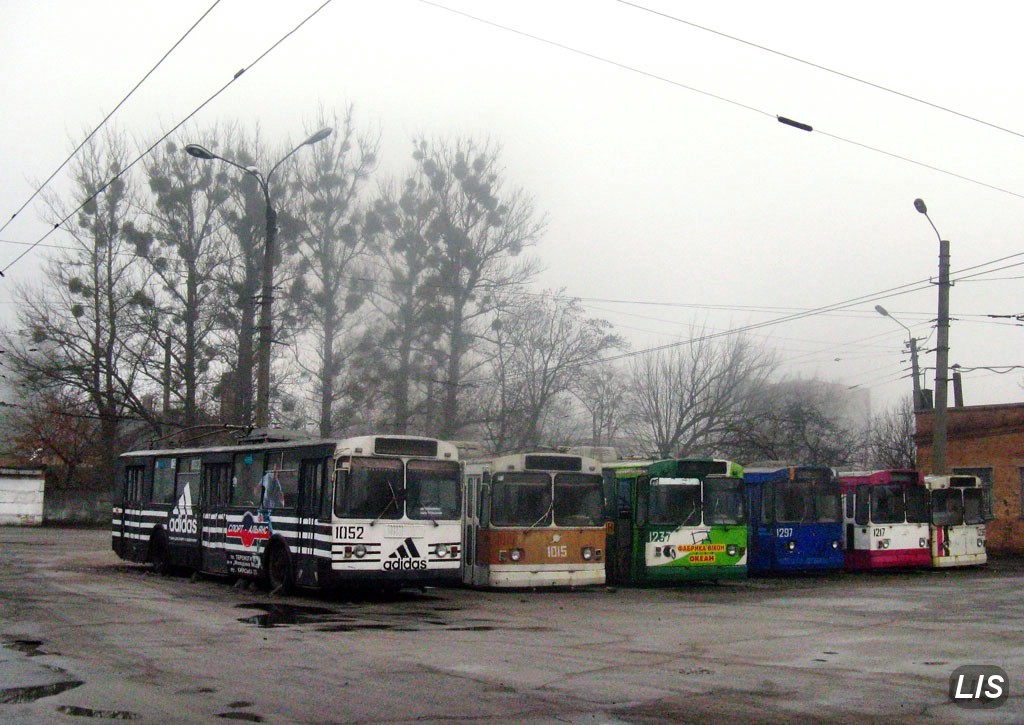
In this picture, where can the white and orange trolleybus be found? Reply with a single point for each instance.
(375, 509)
(886, 517)
(958, 520)
(533, 520)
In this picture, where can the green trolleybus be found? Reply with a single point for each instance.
(675, 520)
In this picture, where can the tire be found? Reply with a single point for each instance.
(158, 556)
(280, 576)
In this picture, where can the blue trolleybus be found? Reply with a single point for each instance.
(796, 519)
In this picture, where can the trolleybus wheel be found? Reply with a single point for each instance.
(158, 557)
(279, 569)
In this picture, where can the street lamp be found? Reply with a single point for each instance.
(267, 276)
(941, 351)
(918, 400)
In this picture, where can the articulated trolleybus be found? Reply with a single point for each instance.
(796, 519)
(958, 521)
(378, 509)
(675, 520)
(886, 514)
(533, 520)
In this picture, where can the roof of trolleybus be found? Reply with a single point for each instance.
(897, 475)
(391, 445)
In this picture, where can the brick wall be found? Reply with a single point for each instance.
(985, 436)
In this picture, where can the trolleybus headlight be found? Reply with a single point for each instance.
(516, 554)
(587, 553)
(883, 543)
(835, 544)
(922, 543)
(359, 550)
(790, 545)
(442, 550)
(731, 550)
(981, 543)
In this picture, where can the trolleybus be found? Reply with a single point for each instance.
(886, 515)
(675, 520)
(378, 509)
(958, 521)
(533, 520)
(796, 519)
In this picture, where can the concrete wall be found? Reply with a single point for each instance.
(77, 506)
(21, 496)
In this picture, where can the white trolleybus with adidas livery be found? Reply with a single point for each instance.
(381, 510)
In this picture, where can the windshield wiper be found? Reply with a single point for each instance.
(392, 500)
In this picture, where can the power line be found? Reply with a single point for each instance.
(826, 69)
(160, 140)
(108, 117)
(715, 96)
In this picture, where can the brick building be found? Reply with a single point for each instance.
(986, 441)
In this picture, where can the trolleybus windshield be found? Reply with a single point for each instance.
(371, 489)
(579, 500)
(724, 501)
(974, 506)
(947, 507)
(896, 504)
(807, 502)
(674, 501)
(521, 499)
(433, 490)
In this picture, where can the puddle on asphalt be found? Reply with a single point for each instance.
(13, 695)
(75, 711)
(330, 620)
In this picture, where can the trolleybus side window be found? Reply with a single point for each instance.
(917, 504)
(246, 483)
(134, 483)
(947, 507)
(217, 483)
(579, 500)
(284, 465)
(767, 502)
(521, 499)
(974, 506)
(675, 501)
(432, 490)
(371, 489)
(188, 475)
(724, 502)
(163, 480)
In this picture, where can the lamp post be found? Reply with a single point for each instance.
(918, 400)
(263, 356)
(941, 351)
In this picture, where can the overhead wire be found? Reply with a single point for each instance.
(108, 116)
(160, 140)
(716, 96)
(826, 69)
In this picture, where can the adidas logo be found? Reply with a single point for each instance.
(406, 556)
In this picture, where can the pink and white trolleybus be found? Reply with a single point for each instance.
(886, 517)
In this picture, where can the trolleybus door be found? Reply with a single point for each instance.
(216, 496)
(310, 509)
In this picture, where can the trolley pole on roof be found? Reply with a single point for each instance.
(939, 422)
(266, 322)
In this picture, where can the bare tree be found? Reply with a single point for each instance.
(891, 437)
(802, 422)
(684, 400)
(600, 390)
(331, 235)
(475, 232)
(178, 237)
(540, 345)
(86, 329)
